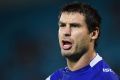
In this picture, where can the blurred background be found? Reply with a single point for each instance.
(29, 48)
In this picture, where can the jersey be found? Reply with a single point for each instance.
(98, 69)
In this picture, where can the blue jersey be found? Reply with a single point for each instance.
(98, 69)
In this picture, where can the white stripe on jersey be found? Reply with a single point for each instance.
(95, 60)
(48, 78)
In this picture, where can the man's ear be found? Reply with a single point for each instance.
(94, 34)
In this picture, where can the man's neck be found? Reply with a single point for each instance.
(82, 62)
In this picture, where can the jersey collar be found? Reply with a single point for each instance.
(95, 60)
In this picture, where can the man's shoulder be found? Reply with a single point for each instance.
(100, 71)
(105, 71)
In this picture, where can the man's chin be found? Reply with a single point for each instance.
(66, 53)
(72, 57)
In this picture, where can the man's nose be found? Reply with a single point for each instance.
(67, 31)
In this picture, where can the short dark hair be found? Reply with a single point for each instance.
(92, 17)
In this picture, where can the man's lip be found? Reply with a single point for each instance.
(66, 41)
(66, 44)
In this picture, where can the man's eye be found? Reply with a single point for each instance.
(62, 25)
(74, 25)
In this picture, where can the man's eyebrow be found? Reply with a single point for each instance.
(69, 23)
(60, 22)
(74, 24)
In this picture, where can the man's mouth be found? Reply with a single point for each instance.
(66, 45)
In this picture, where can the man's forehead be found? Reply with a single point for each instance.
(71, 17)
(71, 13)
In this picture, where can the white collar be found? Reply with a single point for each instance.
(95, 60)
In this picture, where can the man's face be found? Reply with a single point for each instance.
(73, 34)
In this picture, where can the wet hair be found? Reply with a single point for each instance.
(92, 17)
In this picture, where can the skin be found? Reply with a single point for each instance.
(73, 28)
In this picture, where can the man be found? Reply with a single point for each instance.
(79, 29)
